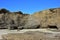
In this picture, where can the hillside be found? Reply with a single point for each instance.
(12, 20)
(49, 18)
(42, 25)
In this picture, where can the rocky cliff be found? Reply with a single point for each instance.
(12, 19)
(49, 18)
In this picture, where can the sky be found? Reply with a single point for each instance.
(29, 6)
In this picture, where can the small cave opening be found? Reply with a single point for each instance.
(15, 28)
(52, 27)
(38, 26)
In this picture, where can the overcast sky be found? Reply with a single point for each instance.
(29, 6)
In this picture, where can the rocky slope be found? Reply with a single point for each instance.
(12, 19)
(49, 18)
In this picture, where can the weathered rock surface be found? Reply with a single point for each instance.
(44, 19)
(48, 18)
(12, 19)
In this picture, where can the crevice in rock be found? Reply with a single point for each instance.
(38, 26)
(52, 27)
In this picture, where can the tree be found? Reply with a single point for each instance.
(3, 11)
(19, 12)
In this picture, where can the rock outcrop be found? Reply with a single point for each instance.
(12, 20)
(48, 18)
(44, 19)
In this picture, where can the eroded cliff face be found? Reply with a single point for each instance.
(44, 19)
(48, 18)
(12, 19)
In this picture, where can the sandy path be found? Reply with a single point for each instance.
(5, 31)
